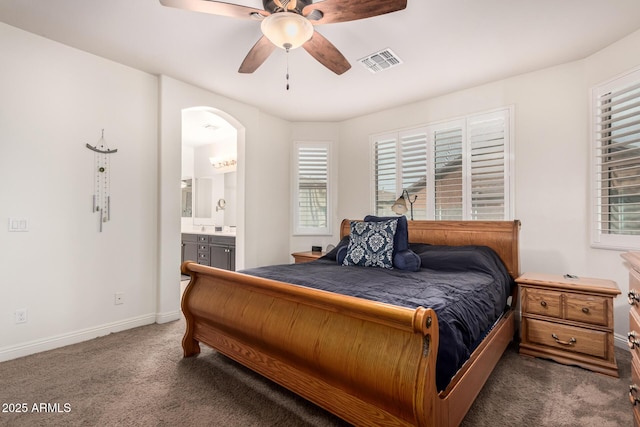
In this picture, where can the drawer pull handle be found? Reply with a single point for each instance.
(633, 297)
(571, 341)
(633, 343)
(543, 303)
(633, 389)
(585, 310)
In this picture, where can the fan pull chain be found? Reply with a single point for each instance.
(287, 55)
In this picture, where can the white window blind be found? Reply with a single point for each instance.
(488, 166)
(312, 188)
(413, 168)
(617, 162)
(385, 174)
(459, 170)
(448, 187)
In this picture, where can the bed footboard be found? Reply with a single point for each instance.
(367, 362)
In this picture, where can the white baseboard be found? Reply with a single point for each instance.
(620, 341)
(168, 317)
(50, 343)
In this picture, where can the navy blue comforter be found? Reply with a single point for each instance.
(467, 286)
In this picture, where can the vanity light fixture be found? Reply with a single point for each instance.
(218, 163)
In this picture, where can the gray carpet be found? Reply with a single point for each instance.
(139, 378)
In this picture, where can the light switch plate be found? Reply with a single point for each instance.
(18, 224)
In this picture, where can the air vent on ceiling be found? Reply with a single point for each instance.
(380, 61)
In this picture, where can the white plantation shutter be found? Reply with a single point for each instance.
(617, 162)
(460, 170)
(488, 167)
(312, 188)
(448, 182)
(413, 167)
(384, 174)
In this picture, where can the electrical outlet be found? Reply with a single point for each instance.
(118, 298)
(21, 315)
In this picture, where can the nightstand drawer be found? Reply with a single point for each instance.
(633, 296)
(634, 334)
(546, 303)
(567, 338)
(634, 390)
(587, 308)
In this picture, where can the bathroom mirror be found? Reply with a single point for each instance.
(187, 197)
(203, 201)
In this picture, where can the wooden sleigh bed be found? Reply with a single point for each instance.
(367, 362)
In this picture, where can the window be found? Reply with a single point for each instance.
(400, 161)
(459, 169)
(311, 204)
(616, 155)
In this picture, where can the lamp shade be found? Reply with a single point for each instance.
(400, 206)
(287, 30)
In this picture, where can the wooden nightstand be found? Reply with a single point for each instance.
(306, 256)
(569, 320)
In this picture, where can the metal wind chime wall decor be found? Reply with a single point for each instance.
(101, 182)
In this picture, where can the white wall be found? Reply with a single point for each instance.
(54, 100)
(552, 158)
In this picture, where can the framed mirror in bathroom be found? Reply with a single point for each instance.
(187, 197)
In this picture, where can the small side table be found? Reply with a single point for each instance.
(569, 320)
(307, 256)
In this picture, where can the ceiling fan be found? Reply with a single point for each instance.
(288, 24)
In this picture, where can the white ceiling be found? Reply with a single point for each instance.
(202, 126)
(446, 45)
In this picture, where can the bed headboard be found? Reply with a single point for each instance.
(501, 236)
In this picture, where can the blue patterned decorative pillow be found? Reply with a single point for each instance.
(401, 238)
(371, 244)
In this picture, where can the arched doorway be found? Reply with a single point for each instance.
(209, 171)
(213, 169)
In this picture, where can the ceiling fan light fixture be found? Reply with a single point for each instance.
(287, 30)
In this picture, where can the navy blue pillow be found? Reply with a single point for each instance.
(407, 260)
(332, 254)
(401, 239)
(342, 252)
(371, 244)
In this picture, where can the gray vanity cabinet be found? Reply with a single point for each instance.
(223, 252)
(189, 247)
(213, 250)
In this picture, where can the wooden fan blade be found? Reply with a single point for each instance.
(342, 11)
(216, 8)
(326, 53)
(257, 55)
